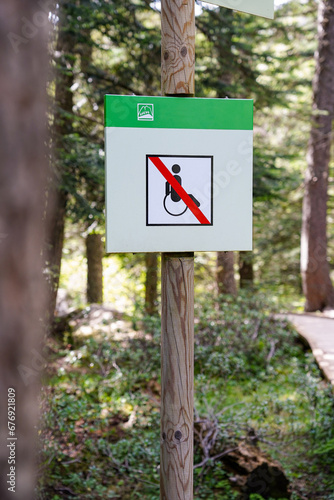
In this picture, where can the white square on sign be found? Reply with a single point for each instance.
(145, 112)
(179, 190)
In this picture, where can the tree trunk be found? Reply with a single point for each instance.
(95, 252)
(23, 175)
(56, 223)
(317, 287)
(246, 272)
(225, 273)
(62, 127)
(151, 283)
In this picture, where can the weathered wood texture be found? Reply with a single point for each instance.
(317, 286)
(177, 282)
(177, 377)
(178, 47)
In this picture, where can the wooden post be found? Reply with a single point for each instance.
(177, 376)
(178, 48)
(177, 277)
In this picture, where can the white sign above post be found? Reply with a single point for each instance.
(178, 174)
(263, 8)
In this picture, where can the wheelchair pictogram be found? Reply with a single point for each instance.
(183, 186)
(172, 202)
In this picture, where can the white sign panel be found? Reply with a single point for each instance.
(178, 174)
(263, 8)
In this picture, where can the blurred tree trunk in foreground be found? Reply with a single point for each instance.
(225, 273)
(246, 271)
(23, 176)
(151, 283)
(94, 252)
(317, 286)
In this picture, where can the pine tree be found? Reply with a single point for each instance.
(317, 286)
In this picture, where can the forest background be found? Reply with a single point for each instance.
(92, 414)
(237, 56)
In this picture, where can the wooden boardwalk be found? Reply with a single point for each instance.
(319, 333)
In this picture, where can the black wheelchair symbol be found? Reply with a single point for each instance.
(172, 202)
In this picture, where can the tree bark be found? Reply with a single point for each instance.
(225, 273)
(151, 283)
(56, 223)
(23, 176)
(94, 251)
(246, 271)
(317, 286)
(62, 127)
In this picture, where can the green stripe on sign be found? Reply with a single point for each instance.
(176, 112)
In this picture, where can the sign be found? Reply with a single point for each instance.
(264, 8)
(173, 182)
(178, 174)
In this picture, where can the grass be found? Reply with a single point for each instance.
(100, 428)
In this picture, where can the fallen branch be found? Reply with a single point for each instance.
(215, 457)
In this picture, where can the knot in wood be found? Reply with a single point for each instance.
(164, 436)
(178, 435)
(166, 55)
(184, 51)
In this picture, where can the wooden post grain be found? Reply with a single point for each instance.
(177, 376)
(177, 281)
(178, 47)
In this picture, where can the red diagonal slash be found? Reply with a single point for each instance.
(179, 189)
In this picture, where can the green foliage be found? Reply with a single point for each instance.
(326, 448)
(255, 333)
(100, 431)
(115, 48)
(83, 178)
(100, 406)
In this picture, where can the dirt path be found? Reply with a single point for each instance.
(319, 333)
